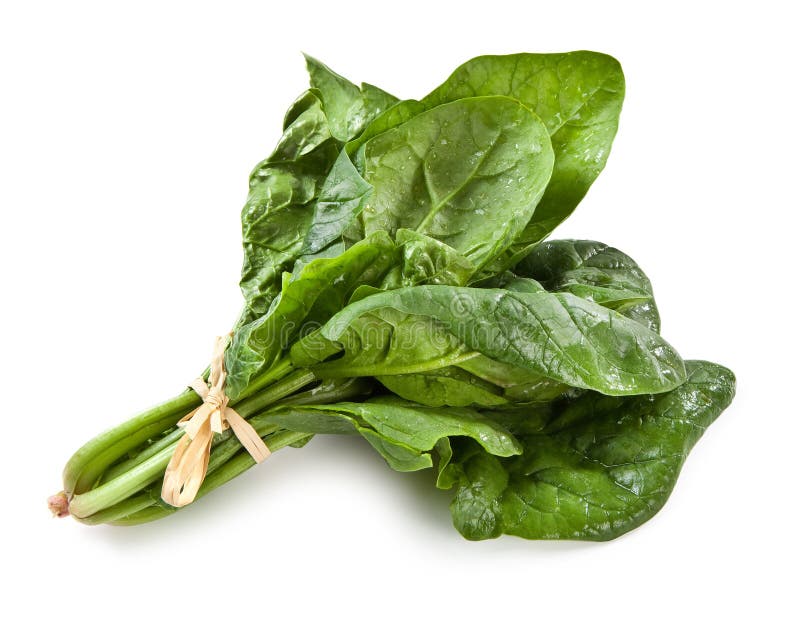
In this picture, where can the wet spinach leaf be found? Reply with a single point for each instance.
(578, 95)
(348, 108)
(555, 335)
(593, 271)
(284, 188)
(403, 433)
(594, 471)
(308, 300)
(468, 174)
(280, 205)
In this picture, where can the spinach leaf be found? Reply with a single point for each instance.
(468, 173)
(376, 338)
(450, 386)
(348, 107)
(397, 114)
(402, 432)
(284, 188)
(595, 471)
(342, 198)
(519, 384)
(578, 96)
(280, 205)
(587, 269)
(477, 381)
(315, 294)
(426, 261)
(555, 335)
(593, 271)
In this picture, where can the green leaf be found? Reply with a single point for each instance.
(280, 206)
(403, 433)
(305, 128)
(397, 114)
(530, 419)
(449, 386)
(426, 261)
(284, 188)
(596, 272)
(322, 420)
(348, 107)
(377, 339)
(555, 335)
(468, 173)
(319, 290)
(342, 198)
(477, 381)
(518, 384)
(600, 468)
(578, 95)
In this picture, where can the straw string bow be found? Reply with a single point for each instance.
(187, 468)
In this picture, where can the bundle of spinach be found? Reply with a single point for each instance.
(398, 286)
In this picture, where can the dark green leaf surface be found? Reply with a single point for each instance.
(375, 339)
(348, 107)
(342, 198)
(280, 205)
(578, 95)
(284, 188)
(315, 294)
(598, 469)
(403, 433)
(395, 115)
(449, 386)
(468, 173)
(555, 335)
(593, 271)
(426, 261)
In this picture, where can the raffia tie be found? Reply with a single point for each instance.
(189, 463)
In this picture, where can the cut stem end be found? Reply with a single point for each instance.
(58, 504)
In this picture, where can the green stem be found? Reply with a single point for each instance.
(230, 469)
(331, 392)
(277, 372)
(133, 478)
(336, 370)
(165, 442)
(294, 382)
(86, 465)
(224, 448)
(122, 487)
(130, 506)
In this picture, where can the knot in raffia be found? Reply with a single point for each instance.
(214, 398)
(187, 468)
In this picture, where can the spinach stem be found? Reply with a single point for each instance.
(292, 383)
(86, 465)
(167, 440)
(146, 507)
(130, 478)
(277, 372)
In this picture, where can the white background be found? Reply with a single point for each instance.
(127, 133)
